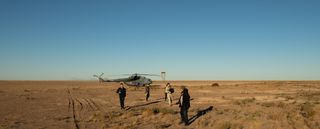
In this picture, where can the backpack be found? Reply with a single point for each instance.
(171, 90)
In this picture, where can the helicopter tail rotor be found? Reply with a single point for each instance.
(99, 77)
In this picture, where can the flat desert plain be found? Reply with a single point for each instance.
(214, 104)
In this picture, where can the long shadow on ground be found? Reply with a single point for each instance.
(199, 114)
(141, 105)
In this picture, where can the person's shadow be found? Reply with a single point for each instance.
(200, 113)
(141, 105)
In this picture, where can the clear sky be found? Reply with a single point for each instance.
(189, 39)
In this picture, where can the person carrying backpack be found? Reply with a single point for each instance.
(169, 90)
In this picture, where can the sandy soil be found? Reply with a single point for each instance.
(87, 104)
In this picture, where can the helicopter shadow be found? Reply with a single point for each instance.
(141, 105)
(199, 114)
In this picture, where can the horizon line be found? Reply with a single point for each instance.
(174, 80)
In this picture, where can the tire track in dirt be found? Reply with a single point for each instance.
(82, 109)
(81, 105)
(95, 105)
(92, 107)
(72, 103)
(86, 106)
(69, 104)
(99, 104)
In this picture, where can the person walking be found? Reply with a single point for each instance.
(165, 92)
(147, 92)
(122, 94)
(184, 104)
(169, 91)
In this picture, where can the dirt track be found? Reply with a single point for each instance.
(86, 104)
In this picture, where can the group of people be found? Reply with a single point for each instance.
(183, 102)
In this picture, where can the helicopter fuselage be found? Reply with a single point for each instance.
(139, 81)
(133, 80)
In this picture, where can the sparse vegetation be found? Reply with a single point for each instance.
(225, 125)
(215, 85)
(276, 115)
(185, 86)
(204, 123)
(30, 98)
(261, 106)
(96, 117)
(111, 115)
(268, 104)
(288, 98)
(162, 126)
(306, 110)
(219, 112)
(281, 105)
(157, 110)
(244, 101)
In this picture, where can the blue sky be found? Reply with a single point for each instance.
(198, 40)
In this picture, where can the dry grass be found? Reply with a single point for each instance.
(244, 101)
(306, 110)
(225, 125)
(237, 105)
(215, 85)
(268, 104)
(157, 110)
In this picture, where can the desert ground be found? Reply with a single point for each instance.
(90, 105)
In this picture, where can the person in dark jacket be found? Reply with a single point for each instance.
(147, 92)
(122, 95)
(184, 104)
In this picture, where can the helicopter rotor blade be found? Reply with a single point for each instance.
(98, 76)
(135, 74)
(101, 74)
(126, 74)
(149, 74)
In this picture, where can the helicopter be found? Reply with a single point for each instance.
(136, 79)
